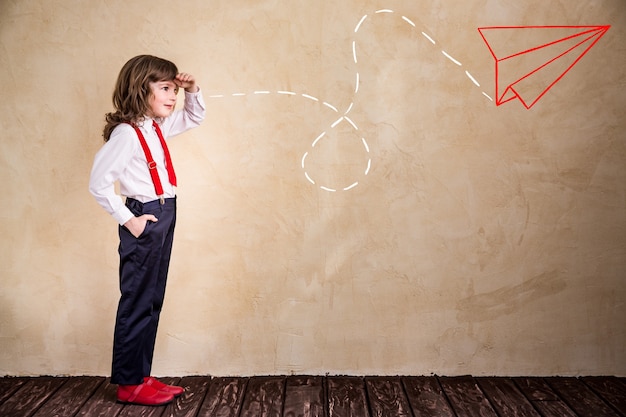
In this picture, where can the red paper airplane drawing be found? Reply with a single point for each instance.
(527, 73)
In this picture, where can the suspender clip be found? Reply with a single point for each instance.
(161, 199)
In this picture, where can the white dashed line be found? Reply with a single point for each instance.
(356, 90)
(429, 38)
(450, 58)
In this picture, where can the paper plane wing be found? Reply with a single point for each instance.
(527, 65)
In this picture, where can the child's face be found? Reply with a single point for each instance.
(163, 98)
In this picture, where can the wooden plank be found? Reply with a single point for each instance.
(580, 398)
(9, 385)
(346, 397)
(68, 399)
(545, 400)
(332, 396)
(304, 397)
(610, 389)
(426, 397)
(554, 409)
(30, 396)
(536, 389)
(224, 398)
(506, 398)
(466, 397)
(387, 397)
(136, 410)
(103, 403)
(264, 397)
(188, 404)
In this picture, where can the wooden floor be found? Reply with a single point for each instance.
(328, 396)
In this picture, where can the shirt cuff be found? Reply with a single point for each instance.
(197, 96)
(122, 215)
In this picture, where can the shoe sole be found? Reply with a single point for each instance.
(147, 405)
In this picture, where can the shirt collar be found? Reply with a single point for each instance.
(146, 123)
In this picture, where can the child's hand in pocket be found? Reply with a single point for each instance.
(136, 225)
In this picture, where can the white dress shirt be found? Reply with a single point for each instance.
(122, 159)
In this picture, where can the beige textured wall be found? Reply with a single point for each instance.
(484, 239)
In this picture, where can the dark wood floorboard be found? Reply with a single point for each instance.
(387, 397)
(426, 397)
(580, 398)
(506, 398)
(612, 390)
(30, 396)
(305, 397)
(543, 398)
(325, 396)
(188, 405)
(346, 396)
(70, 397)
(8, 386)
(264, 397)
(224, 398)
(466, 397)
(102, 403)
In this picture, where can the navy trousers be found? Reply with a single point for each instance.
(144, 263)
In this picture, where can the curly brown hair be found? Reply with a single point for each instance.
(132, 89)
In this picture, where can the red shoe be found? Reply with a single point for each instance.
(169, 389)
(142, 394)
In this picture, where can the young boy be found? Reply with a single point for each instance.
(135, 155)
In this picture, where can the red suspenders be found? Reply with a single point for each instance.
(152, 166)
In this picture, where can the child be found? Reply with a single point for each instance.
(135, 155)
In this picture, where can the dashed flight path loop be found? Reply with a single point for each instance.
(344, 117)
